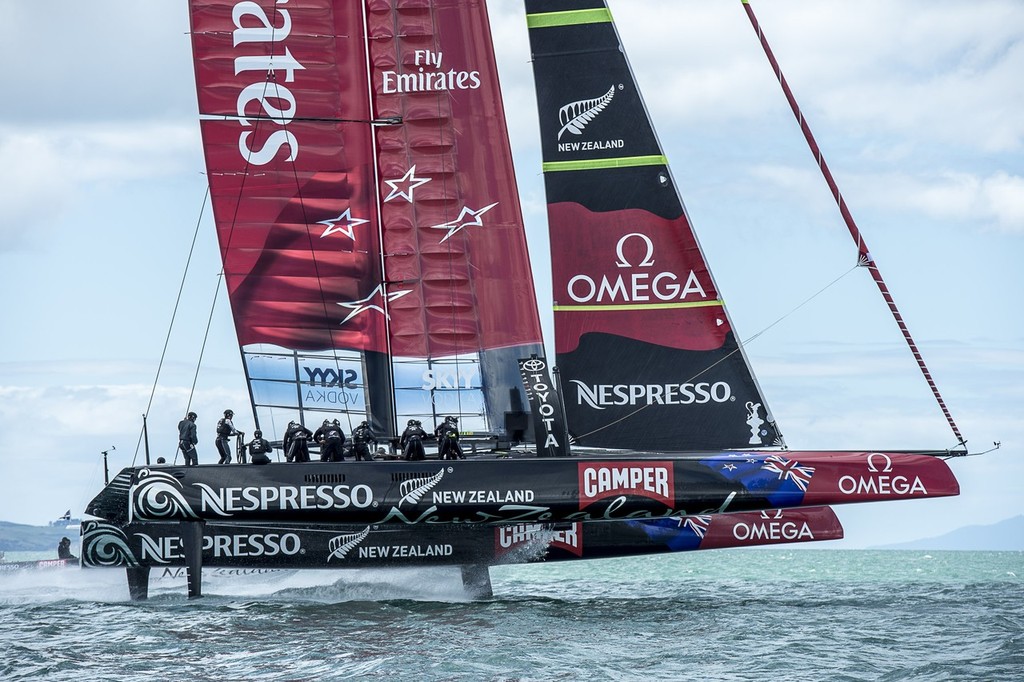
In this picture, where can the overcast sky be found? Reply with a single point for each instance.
(917, 108)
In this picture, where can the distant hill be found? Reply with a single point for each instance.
(17, 537)
(1007, 535)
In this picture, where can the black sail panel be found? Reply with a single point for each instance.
(646, 351)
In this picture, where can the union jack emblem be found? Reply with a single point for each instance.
(698, 524)
(788, 469)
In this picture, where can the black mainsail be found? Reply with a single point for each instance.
(647, 353)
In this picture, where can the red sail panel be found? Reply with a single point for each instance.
(455, 251)
(631, 272)
(291, 169)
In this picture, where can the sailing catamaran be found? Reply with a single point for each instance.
(376, 262)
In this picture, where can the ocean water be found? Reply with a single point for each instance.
(719, 615)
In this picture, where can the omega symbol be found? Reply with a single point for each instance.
(871, 462)
(648, 259)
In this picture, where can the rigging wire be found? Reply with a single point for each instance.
(206, 336)
(739, 346)
(170, 326)
(864, 254)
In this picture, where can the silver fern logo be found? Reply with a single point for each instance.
(575, 116)
(341, 545)
(157, 496)
(105, 545)
(415, 488)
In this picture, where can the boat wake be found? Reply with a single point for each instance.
(320, 586)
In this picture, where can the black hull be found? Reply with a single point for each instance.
(490, 490)
(322, 546)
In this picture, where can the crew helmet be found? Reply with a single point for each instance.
(229, 413)
(257, 433)
(191, 416)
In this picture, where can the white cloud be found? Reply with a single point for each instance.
(1003, 197)
(994, 202)
(46, 171)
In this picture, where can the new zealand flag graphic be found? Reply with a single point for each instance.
(781, 481)
(678, 534)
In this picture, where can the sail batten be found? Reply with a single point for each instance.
(599, 164)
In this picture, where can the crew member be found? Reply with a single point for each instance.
(361, 439)
(296, 448)
(225, 429)
(259, 448)
(187, 439)
(448, 439)
(64, 550)
(412, 441)
(332, 440)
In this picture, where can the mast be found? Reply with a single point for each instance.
(863, 253)
(380, 369)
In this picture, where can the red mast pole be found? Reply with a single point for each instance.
(864, 255)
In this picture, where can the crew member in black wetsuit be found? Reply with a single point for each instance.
(332, 440)
(448, 439)
(295, 447)
(225, 429)
(64, 550)
(187, 439)
(259, 448)
(361, 439)
(412, 441)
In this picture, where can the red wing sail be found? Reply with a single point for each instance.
(290, 164)
(329, 128)
(647, 353)
(288, 137)
(453, 230)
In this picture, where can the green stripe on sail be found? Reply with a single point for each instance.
(597, 164)
(638, 306)
(571, 18)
